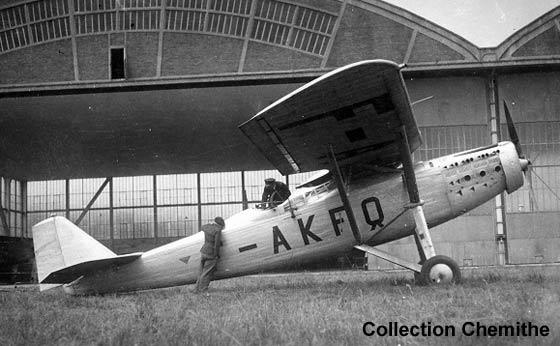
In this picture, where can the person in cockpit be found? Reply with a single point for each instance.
(275, 192)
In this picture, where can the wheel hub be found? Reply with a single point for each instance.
(441, 274)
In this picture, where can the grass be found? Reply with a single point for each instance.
(294, 309)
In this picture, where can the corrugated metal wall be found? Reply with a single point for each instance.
(13, 207)
(533, 224)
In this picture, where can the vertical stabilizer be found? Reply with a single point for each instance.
(59, 244)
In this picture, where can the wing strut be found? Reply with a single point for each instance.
(343, 196)
(423, 239)
(432, 268)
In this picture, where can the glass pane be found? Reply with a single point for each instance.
(133, 191)
(220, 187)
(134, 223)
(209, 212)
(83, 190)
(177, 221)
(176, 189)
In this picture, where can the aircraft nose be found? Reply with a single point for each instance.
(524, 164)
(512, 165)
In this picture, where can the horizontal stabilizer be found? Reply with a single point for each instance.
(71, 273)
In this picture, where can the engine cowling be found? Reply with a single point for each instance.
(512, 165)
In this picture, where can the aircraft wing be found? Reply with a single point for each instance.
(358, 109)
(71, 273)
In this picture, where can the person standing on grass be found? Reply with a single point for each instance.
(209, 253)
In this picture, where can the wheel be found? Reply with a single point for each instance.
(439, 270)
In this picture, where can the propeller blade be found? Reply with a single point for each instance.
(512, 131)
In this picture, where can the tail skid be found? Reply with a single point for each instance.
(63, 252)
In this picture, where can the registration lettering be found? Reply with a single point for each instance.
(371, 209)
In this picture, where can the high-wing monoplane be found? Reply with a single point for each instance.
(356, 125)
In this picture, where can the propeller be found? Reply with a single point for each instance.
(530, 171)
(514, 137)
(513, 132)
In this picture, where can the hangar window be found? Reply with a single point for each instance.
(117, 63)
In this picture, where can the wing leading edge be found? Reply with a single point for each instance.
(358, 109)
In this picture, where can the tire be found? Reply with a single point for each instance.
(439, 270)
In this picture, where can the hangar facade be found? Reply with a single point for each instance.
(122, 115)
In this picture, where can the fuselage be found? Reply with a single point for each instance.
(312, 224)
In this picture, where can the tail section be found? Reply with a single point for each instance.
(60, 244)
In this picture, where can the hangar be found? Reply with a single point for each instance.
(122, 115)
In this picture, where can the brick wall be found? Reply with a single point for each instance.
(199, 54)
(93, 57)
(364, 35)
(50, 62)
(265, 57)
(141, 54)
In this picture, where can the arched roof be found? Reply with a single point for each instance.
(539, 39)
(429, 43)
(197, 47)
(179, 39)
(305, 26)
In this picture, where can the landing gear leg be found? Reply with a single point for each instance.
(432, 269)
(435, 269)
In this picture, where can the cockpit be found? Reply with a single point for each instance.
(315, 189)
(308, 191)
(307, 195)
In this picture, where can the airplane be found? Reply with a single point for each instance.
(355, 126)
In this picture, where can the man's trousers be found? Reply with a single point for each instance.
(205, 273)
